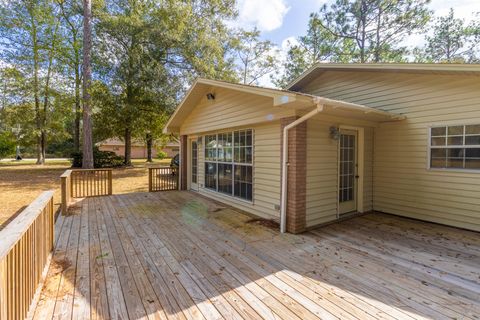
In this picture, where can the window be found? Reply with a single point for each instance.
(228, 163)
(455, 147)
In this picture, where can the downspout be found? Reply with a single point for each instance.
(283, 207)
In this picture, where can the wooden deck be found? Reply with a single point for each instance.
(176, 255)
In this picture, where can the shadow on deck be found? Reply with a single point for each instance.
(177, 255)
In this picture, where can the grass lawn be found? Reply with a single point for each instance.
(21, 182)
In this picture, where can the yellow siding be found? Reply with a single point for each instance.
(322, 169)
(232, 109)
(402, 183)
(266, 173)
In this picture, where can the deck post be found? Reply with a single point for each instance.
(66, 189)
(110, 183)
(3, 289)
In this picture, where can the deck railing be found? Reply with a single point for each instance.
(81, 183)
(26, 245)
(162, 179)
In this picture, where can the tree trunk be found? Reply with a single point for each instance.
(128, 146)
(76, 134)
(87, 162)
(149, 147)
(363, 37)
(38, 116)
(377, 35)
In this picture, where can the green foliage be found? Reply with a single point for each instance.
(452, 41)
(7, 144)
(161, 155)
(257, 58)
(147, 52)
(355, 31)
(101, 159)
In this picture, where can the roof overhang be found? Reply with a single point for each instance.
(418, 68)
(280, 98)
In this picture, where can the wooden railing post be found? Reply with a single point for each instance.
(3, 289)
(150, 180)
(66, 184)
(110, 182)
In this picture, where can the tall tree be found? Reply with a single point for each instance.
(72, 17)
(87, 161)
(29, 39)
(376, 27)
(452, 40)
(148, 45)
(317, 45)
(257, 58)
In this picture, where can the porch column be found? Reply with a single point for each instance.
(183, 162)
(297, 175)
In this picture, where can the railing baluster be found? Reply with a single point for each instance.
(24, 250)
(162, 179)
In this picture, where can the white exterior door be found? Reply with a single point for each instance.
(193, 172)
(348, 171)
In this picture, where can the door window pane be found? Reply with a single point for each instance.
(347, 167)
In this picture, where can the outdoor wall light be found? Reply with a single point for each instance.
(210, 96)
(334, 134)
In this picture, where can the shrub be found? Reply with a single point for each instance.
(101, 159)
(7, 144)
(161, 155)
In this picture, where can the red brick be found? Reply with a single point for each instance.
(297, 175)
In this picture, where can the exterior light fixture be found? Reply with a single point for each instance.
(334, 133)
(210, 96)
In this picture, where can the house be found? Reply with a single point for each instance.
(402, 139)
(139, 148)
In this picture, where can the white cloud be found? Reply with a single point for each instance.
(289, 42)
(266, 15)
(464, 9)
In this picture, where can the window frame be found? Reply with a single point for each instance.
(446, 147)
(233, 163)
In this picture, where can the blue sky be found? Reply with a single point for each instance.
(282, 19)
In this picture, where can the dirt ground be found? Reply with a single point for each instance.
(21, 182)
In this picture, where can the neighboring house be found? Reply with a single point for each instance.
(397, 138)
(139, 148)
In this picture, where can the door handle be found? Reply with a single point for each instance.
(357, 176)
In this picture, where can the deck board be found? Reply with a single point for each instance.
(177, 255)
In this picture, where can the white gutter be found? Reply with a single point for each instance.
(283, 207)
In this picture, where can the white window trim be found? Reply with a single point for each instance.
(233, 163)
(429, 149)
